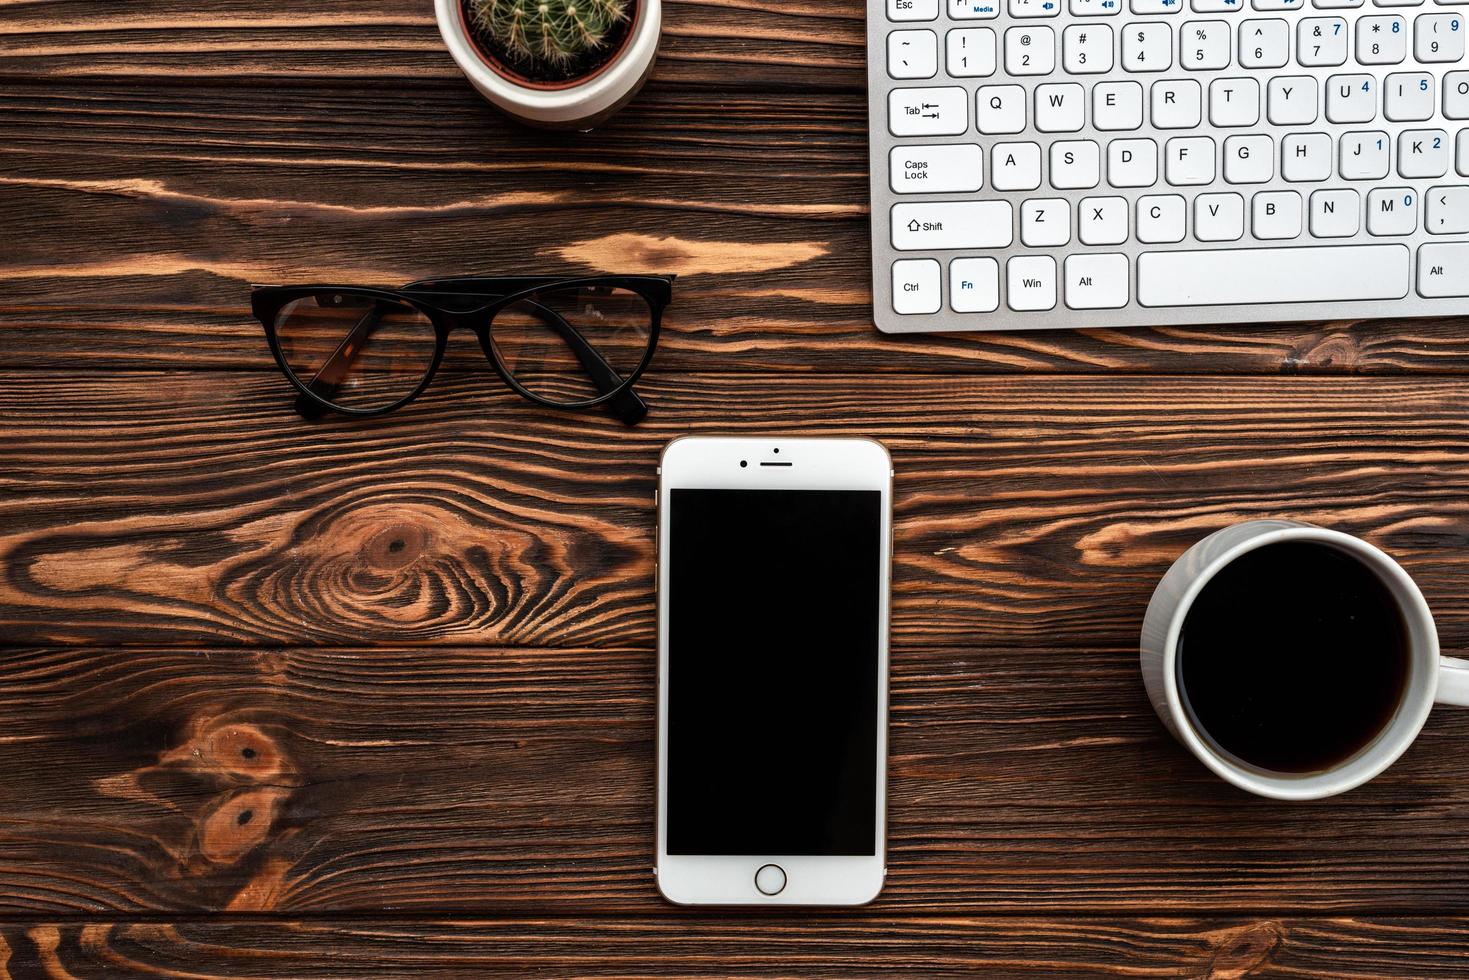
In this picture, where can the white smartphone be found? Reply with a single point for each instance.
(773, 568)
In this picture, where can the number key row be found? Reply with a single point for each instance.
(928, 10)
(972, 52)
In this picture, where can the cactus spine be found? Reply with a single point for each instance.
(548, 31)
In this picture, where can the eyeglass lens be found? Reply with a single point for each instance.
(573, 343)
(360, 353)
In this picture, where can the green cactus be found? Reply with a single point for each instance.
(548, 31)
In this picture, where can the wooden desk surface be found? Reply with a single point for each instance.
(363, 699)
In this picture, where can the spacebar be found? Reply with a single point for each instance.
(1241, 276)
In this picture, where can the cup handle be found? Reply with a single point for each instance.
(1453, 681)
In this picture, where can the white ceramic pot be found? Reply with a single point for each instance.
(579, 104)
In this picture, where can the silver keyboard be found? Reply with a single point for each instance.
(1102, 163)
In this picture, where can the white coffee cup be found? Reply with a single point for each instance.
(1432, 679)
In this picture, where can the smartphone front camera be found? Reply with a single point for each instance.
(744, 463)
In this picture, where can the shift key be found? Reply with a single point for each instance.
(952, 224)
(928, 111)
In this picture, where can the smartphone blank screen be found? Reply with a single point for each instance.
(772, 675)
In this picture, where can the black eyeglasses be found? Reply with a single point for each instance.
(564, 343)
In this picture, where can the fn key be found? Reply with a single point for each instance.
(917, 287)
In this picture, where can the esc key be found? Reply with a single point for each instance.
(913, 9)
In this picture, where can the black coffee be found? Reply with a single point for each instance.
(1293, 658)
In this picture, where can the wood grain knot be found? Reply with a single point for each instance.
(231, 752)
(1337, 350)
(1240, 952)
(239, 821)
(431, 562)
(397, 546)
(242, 773)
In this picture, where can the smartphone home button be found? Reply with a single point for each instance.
(771, 879)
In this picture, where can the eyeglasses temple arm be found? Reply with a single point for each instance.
(627, 406)
(328, 379)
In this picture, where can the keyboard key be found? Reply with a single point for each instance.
(1249, 159)
(1060, 108)
(1275, 215)
(913, 9)
(1219, 217)
(1305, 157)
(1335, 214)
(1188, 161)
(1034, 8)
(1204, 45)
(1086, 49)
(1031, 282)
(1264, 43)
(1364, 156)
(1443, 270)
(1409, 96)
(916, 286)
(1351, 98)
(1095, 8)
(1075, 164)
(1382, 40)
(1102, 220)
(1461, 153)
(974, 285)
(1234, 102)
(1311, 274)
(1132, 163)
(1147, 47)
(928, 111)
(952, 224)
(1000, 109)
(1398, 3)
(1456, 95)
(1337, 4)
(1015, 166)
(1216, 6)
(1392, 211)
(1045, 223)
(1030, 50)
(1423, 153)
(1117, 106)
(1096, 282)
(1448, 210)
(971, 52)
(913, 54)
(1438, 37)
(1161, 218)
(1291, 100)
(1321, 41)
(1277, 4)
(936, 169)
(1177, 104)
(974, 9)
(1156, 6)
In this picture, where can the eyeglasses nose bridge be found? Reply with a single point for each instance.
(477, 319)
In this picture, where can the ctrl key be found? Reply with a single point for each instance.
(916, 286)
